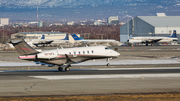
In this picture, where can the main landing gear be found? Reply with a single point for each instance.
(66, 69)
(60, 69)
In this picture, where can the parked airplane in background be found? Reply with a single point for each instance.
(44, 41)
(41, 41)
(152, 40)
(76, 38)
(62, 57)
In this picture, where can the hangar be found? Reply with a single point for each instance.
(160, 25)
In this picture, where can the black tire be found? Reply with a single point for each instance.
(108, 65)
(60, 69)
(67, 69)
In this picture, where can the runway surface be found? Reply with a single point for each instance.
(89, 81)
(92, 71)
(12, 74)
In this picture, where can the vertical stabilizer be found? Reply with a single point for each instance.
(22, 47)
(43, 36)
(75, 37)
(174, 35)
(66, 37)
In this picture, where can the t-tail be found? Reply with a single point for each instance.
(22, 47)
(75, 37)
(43, 36)
(66, 37)
(173, 35)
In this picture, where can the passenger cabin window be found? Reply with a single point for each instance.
(92, 51)
(88, 52)
(69, 53)
(74, 53)
(83, 52)
(79, 52)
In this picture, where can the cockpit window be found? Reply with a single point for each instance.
(107, 48)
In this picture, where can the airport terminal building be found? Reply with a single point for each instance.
(160, 25)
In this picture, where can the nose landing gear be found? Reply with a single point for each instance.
(107, 62)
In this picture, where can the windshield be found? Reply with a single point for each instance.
(107, 48)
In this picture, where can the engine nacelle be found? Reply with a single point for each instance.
(47, 55)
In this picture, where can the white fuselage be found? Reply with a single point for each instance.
(78, 54)
(44, 41)
(97, 40)
(57, 41)
(144, 39)
(94, 51)
(36, 41)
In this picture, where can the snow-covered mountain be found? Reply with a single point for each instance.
(85, 9)
(78, 3)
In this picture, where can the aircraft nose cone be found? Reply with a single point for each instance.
(117, 55)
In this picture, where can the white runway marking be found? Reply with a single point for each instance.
(58, 77)
(143, 68)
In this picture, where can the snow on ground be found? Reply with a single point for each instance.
(129, 62)
(2, 63)
(100, 62)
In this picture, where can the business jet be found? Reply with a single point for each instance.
(76, 38)
(62, 57)
(154, 39)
